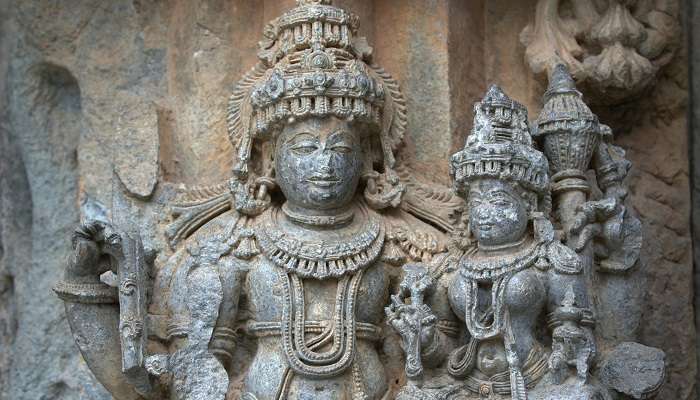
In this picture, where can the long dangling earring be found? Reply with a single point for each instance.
(251, 196)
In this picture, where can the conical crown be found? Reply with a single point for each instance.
(500, 146)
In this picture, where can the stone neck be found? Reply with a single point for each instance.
(306, 217)
(505, 248)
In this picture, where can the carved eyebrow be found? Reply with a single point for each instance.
(500, 192)
(301, 136)
(337, 135)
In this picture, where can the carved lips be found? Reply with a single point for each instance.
(323, 181)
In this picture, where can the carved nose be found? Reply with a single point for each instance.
(325, 163)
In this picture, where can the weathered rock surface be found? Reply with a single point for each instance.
(633, 369)
(87, 86)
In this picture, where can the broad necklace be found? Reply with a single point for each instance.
(485, 266)
(319, 257)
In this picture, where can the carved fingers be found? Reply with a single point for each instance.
(593, 220)
(87, 260)
(88, 230)
(411, 320)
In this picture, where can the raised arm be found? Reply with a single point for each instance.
(92, 309)
(420, 312)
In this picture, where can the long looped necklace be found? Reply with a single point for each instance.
(499, 274)
(300, 353)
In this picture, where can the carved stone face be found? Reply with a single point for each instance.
(498, 215)
(319, 162)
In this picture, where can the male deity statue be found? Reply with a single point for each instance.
(274, 285)
(296, 259)
(524, 297)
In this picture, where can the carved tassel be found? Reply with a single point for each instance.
(246, 247)
(542, 263)
(393, 254)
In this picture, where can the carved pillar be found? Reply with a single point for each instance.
(417, 40)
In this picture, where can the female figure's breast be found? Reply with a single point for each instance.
(525, 297)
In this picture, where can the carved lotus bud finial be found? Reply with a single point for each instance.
(561, 82)
(616, 49)
(568, 129)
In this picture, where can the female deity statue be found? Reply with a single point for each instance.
(520, 292)
(295, 259)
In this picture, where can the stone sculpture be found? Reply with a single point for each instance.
(278, 284)
(297, 253)
(525, 298)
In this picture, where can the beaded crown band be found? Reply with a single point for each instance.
(315, 87)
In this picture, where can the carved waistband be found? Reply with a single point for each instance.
(364, 330)
(533, 370)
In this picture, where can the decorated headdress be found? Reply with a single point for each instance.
(312, 64)
(500, 147)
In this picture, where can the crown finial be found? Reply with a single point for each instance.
(313, 2)
(496, 98)
(495, 95)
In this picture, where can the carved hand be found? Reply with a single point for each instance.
(88, 261)
(598, 219)
(415, 318)
(411, 320)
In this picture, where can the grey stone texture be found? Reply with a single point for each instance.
(694, 138)
(632, 368)
(88, 87)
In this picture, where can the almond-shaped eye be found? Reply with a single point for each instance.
(304, 148)
(341, 148)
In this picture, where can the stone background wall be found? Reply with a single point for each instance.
(88, 87)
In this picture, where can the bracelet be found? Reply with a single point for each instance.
(86, 293)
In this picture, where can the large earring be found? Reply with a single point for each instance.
(252, 196)
(462, 237)
(383, 190)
